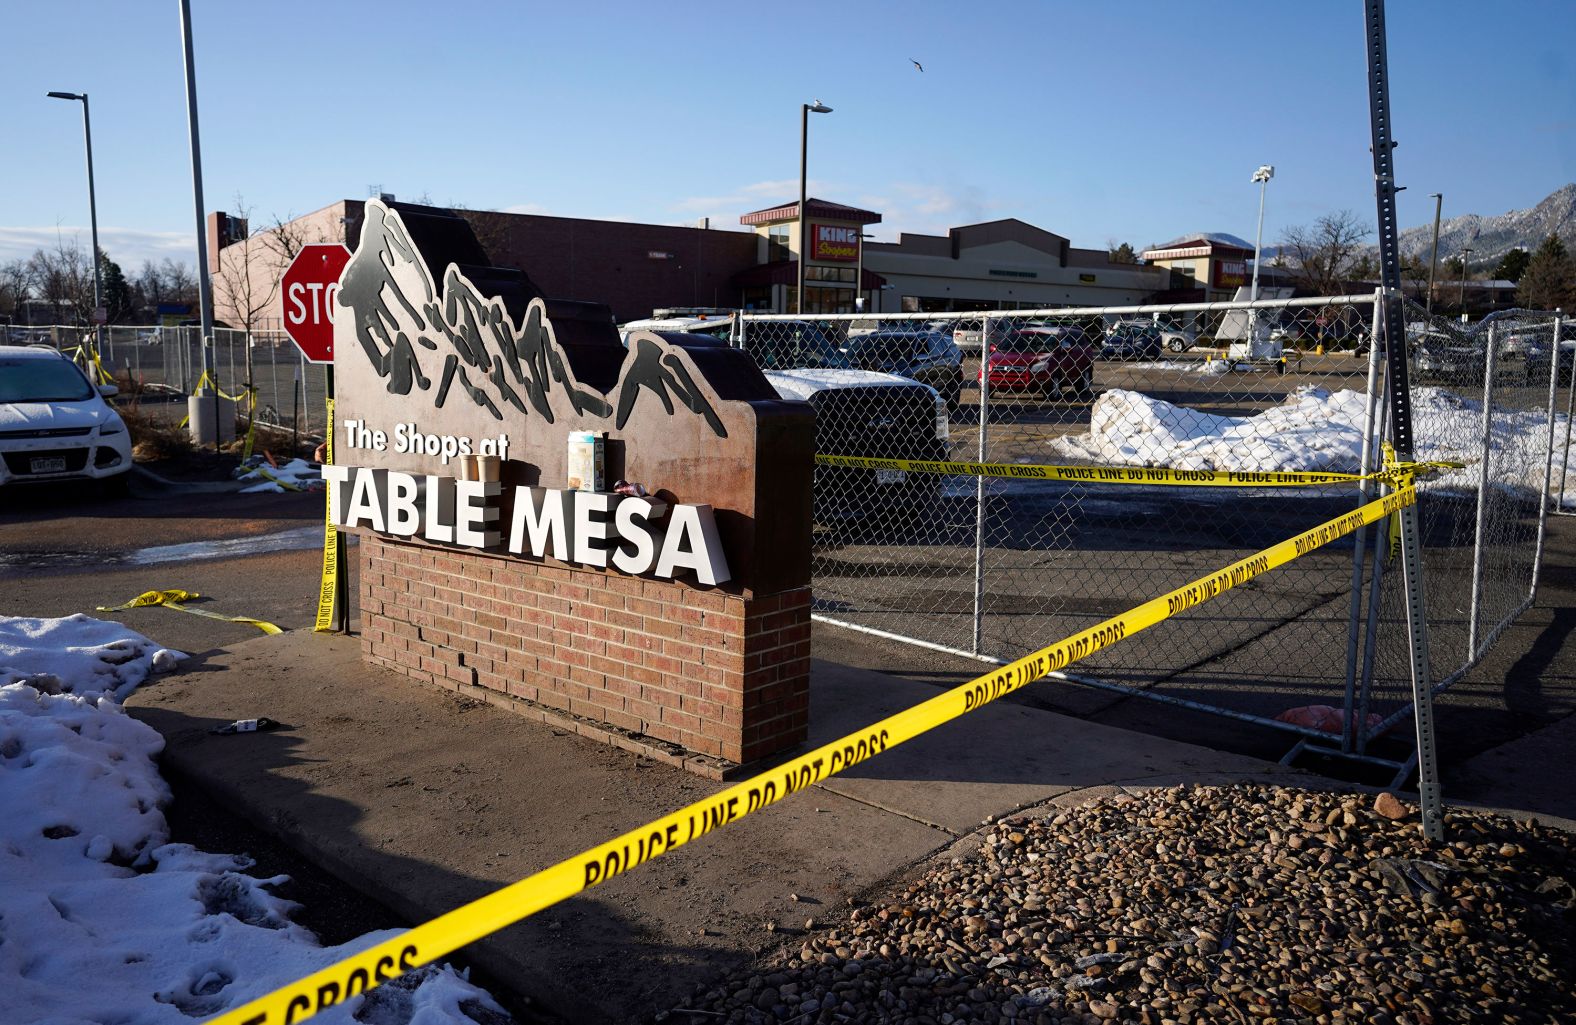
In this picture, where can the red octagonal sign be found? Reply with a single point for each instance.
(308, 290)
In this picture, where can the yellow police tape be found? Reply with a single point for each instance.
(1393, 472)
(176, 599)
(263, 472)
(328, 585)
(449, 932)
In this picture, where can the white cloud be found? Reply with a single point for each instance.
(126, 246)
(527, 208)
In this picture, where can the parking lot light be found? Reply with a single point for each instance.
(98, 282)
(1262, 176)
(805, 109)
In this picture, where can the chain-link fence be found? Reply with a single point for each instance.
(995, 567)
(163, 365)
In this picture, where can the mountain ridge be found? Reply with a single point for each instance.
(1491, 237)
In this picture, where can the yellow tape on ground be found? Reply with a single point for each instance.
(1159, 475)
(328, 586)
(175, 599)
(263, 472)
(449, 932)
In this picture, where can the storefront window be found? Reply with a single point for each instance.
(828, 300)
(777, 243)
(845, 274)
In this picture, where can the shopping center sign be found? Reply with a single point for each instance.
(832, 242)
(461, 422)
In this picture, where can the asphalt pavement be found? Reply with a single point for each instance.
(420, 799)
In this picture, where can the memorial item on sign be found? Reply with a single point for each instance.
(478, 427)
(585, 461)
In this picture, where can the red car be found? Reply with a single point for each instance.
(1042, 358)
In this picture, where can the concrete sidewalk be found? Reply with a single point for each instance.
(426, 800)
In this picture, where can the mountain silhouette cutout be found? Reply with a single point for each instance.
(458, 345)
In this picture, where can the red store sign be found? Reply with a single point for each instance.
(833, 243)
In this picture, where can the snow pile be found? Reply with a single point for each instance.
(101, 918)
(1210, 368)
(1318, 430)
(78, 655)
(297, 474)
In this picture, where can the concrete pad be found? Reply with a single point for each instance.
(996, 760)
(426, 801)
(1529, 777)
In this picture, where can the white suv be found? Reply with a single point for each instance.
(54, 424)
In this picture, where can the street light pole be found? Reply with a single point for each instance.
(204, 283)
(1433, 252)
(98, 279)
(1262, 176)
(804, 149)
(1461, 300)
(859, 275)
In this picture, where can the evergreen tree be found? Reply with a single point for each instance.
(1549, 282)
(1512, 265)
(1123, 253)
(117, 295)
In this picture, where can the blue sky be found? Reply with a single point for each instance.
(1132, 120)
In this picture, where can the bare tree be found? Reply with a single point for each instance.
(15, 283)
(1322, 256)
(63, 278)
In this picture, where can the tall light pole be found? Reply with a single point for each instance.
(1433, 251)
(98, 281)
(1262, 176)
(804, 148)
(859, 275)
(1461, 300)
(204, 283)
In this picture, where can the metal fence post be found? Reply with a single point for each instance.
(1548, 462)
(1359, 541)
(1570, 412)
(1475, 609)
(979, 491)
(1397, 385)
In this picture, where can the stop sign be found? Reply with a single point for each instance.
(308, 289)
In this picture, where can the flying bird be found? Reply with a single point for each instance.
(916, 64)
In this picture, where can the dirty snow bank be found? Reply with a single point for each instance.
(101, 918)
(301, 474)
(1316, 429)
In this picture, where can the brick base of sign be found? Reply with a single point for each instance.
(693, 677)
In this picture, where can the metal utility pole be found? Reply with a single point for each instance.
(1433, 251)
(98, 279)
(804, 150)
(1461, 300)
(204, 282)
(1262, 176)
(1393, 327)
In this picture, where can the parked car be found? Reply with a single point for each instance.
(1042, 358)
(1438, 355)
(927, 356)
(713, 327)
(1131, 342)
(1538, 363)
(54, 424)
(1177, 339)
(857, 413)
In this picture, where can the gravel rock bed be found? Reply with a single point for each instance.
(1198, 904)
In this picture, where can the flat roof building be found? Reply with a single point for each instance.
(636, 268)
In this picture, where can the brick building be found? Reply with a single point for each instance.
(636, 268)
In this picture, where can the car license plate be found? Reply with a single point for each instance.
(890, 476)
(48, 464)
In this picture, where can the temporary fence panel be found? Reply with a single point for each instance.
(1486, 395)
(163, 364)
(986, 566)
